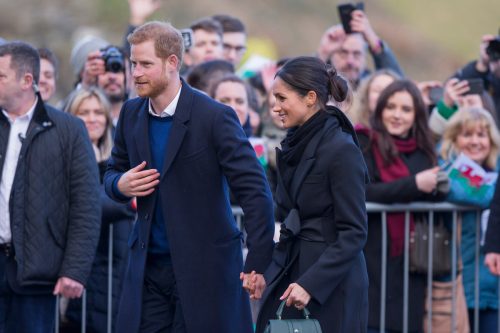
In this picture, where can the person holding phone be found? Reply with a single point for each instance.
(347, 52)
(320, 198)
(459, 94)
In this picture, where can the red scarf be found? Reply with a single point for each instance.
(390, 172)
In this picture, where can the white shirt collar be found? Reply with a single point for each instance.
(169, 110)
(27, 116)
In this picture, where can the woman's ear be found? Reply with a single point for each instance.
(311, 98)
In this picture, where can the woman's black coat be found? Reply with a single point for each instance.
(328, 203)
(403, 190)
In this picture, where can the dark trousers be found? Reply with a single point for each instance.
(161, 307)
(24, 313)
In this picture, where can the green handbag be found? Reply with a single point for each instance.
(305, 325)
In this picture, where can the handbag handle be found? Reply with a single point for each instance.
(306, 312)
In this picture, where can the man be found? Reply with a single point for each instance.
(112, 81)
(347, 52)
(178, 151)
(207, 44)
(234, 38)
(49, 208)
(49, 67)
(487, 68)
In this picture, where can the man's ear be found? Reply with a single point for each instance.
(27, 81)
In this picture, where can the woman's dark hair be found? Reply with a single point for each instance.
(305, 74)
(420, 130)
(226, 78)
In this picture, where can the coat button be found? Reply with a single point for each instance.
(143, 246)
(146, 216)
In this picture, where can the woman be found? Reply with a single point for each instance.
(367, 95)
(473, 132)
(400, 157)
(318, 261)
(93, 108)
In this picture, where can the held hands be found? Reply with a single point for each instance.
(68, 288)
(138, 182)
(254, 284)
(296, 295)
(427, 180)
(492, 261)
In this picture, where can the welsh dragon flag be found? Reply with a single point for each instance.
(470, 184)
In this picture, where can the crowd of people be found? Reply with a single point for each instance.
(160, 137)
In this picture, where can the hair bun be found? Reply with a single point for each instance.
(337, 85)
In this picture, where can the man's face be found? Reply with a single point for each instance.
(151, 74)
(10, 84)
(207, 46)
(350, 59)
(235, 45)
(113, 85)
(47, 83)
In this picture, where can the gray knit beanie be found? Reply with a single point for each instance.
(82, 49)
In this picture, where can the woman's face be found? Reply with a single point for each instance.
(234, 94)
(474, 141)
(93, 115)
(291, 108)
(377, 85)
(274, 115)
(398, 116)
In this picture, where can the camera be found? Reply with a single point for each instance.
(187, 36)
(345, 11)
(493, 49)
(113, 59)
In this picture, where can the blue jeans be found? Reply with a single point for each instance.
(488, 320)
(24, 313)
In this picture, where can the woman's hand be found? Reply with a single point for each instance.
(427, 180)
(296, 295)
(453, 90)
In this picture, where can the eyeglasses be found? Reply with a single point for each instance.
(238, 49)
(345, 53)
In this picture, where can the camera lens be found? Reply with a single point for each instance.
(113, 60)
(493, 49)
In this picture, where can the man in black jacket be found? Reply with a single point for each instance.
(49, 211)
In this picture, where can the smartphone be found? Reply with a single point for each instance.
(345, 10)
(476, 87)
(436, 94)
(187, 36)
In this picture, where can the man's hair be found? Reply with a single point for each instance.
(48, 55)
(230, 23)
(24, 58)
(209, 25)
(167, 39)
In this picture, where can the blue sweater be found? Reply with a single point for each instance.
(159, 132)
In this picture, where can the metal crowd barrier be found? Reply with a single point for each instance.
(417, 207)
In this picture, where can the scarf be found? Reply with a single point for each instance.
(390, 172)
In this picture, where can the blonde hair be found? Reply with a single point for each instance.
(167, 39)
(359, 111)
(465, 118)
(105, 143)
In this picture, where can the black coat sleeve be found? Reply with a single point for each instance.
(492, 241)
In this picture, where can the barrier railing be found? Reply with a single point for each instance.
(418, 207)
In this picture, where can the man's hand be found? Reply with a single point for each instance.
(425, 89)
(141, 10)
(492, 261)
(360, 23)
(138, 182)
(254, 284)
(296, 295)
(331, 41)
(68, 288)
(94, 66)
(482, 65)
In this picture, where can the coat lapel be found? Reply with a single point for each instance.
(179, 128)
(141, 135)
